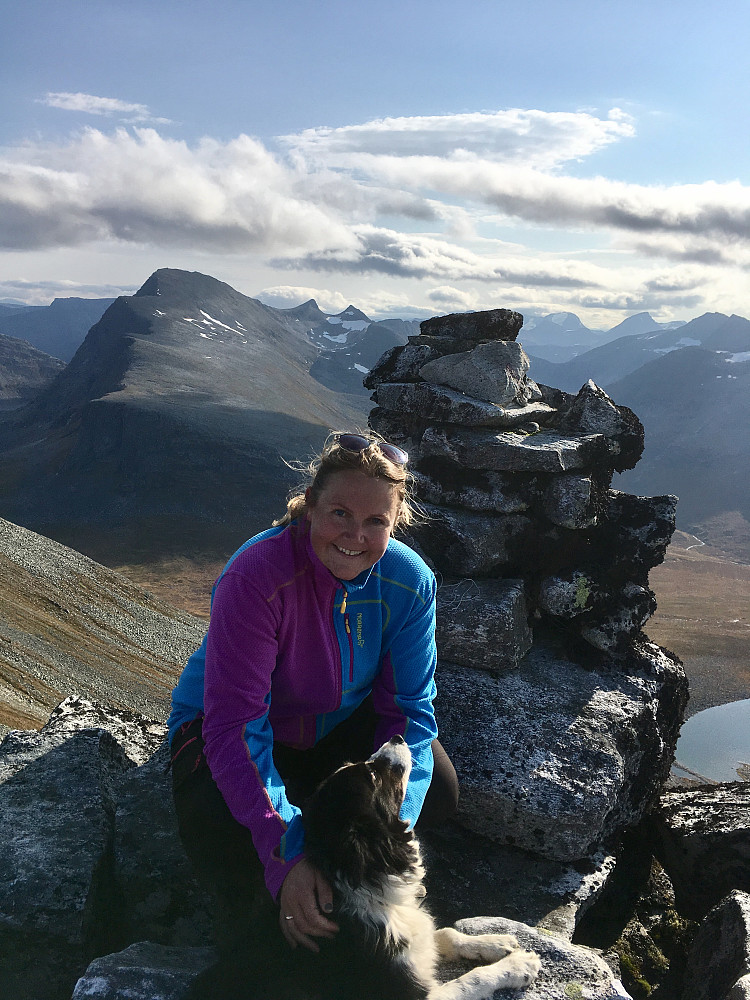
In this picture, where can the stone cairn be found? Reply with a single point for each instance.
(543, 573)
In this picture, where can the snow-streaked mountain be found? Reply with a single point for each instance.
(349, 342)
(181, 404)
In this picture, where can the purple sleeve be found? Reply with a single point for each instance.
(241, 655)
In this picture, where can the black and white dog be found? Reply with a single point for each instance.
(387, 946)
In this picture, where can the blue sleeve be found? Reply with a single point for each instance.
(404, 691)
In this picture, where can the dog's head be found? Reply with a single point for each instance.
(353, 832)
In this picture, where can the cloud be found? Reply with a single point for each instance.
(40, 292)
(138, 187)
(541, 139)
(721, 211)
(107, 106)
(386, 251)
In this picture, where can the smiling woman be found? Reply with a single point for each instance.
(321, 647)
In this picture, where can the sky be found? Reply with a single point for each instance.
(413, 159)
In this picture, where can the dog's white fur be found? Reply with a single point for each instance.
(393, 911)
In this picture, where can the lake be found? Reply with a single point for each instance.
(715, 742)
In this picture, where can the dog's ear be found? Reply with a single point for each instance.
(354, 855)
(367, 851)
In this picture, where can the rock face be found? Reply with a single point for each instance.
(563, 726)
(702, 838)
(718, 966)
(89, 848)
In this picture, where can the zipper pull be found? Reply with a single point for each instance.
(343, 601)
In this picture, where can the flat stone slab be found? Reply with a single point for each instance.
(555, 758)
(461, 543)
(56, 829)
(480, 492)
(545, 451)
(446, 405)
(488, 324)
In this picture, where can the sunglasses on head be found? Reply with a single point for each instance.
(358, 442)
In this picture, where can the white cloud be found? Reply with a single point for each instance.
(41, 292)
(141, 188)
(110, 107)
(447, 297)
(540, 139)
(386, 251)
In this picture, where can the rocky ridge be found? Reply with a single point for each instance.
(560, 715)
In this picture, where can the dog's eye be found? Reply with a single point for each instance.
(374, 775)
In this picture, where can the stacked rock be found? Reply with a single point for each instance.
(515, 481)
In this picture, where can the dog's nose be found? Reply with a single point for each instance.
(397, 740)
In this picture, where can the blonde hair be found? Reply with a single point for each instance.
(371, 461)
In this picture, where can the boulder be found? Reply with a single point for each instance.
(719, 958)
(138, 736)
(449, 485)
(569, 595)
(460, 543)
(702, 838)
(58, 899)
(483, 624)
(573, 501)
(495, 372)
(400, 364)
(143, 971)
(593, 412)
(558, 759)
(161, 898)
(568, 970)
(546, 451)
(638, 529)
(146, 971)
(628, 611)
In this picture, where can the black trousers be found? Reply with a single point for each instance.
(221, 849)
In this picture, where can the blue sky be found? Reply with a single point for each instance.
(413, 158)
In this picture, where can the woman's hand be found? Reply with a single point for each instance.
(305, 896)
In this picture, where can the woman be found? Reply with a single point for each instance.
(320, 647)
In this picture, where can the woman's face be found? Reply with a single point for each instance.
(351, 522)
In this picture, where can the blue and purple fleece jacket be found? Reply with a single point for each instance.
(291, 651)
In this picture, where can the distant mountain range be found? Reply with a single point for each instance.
(177, 405)
(558, 337)
(619, 357)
